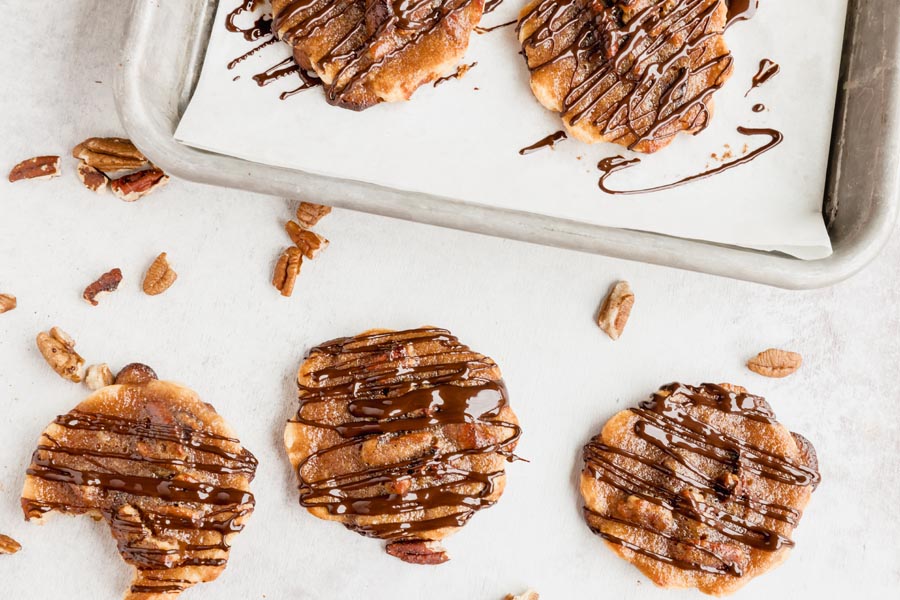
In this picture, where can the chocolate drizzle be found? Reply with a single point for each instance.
(740, 10)
(767, 70)
(758, 108)
(609, 166)
(492, 5)
(546, 142)
(161, 485)
(635, 81)
(482, 30)
(368, 36)
(665, 423)
(460, 71)
(385, 392)
(260, 28)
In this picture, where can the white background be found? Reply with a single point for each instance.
(223, 330)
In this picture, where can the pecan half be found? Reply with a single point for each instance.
(7, 303)
(529, 595)
(134, 186)
(108, 282)
(58, 349)
(309, 242)
(110, 154)
(775, 363)
(616, 309)
(93, 179)
(286, 270)
(159, 277)
(418, 552)
(135, 373)
(98, 376)
(308, 214)
(9, 545)
(39, 167)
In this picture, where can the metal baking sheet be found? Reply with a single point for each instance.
(160, 70)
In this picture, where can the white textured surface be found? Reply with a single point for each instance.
(223, 330)
(476, 135)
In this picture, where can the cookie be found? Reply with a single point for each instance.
(402, 436)
(371, 51)
(164, 471)
(698, 486)
(631, 72)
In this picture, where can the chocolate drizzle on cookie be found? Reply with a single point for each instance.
(674, 480)
(162, 485)
(367, 36)
(379, 389)
(740, 10)
(611, 165)
(631, 75)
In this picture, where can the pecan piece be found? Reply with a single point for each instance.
(728, 484)
(418, 552)
(308, 214)
(110, 154)
(646, 514)
(9, 545)
(93, 179)
(134, 186)
(98, 376)
(159, 277)
(58, 349)
(529, 595)
(309, 242)
(775, 363)
(616, 309)
(286, 270)
(39, 167)
(135, 373)
(108, 282)
(7, 303)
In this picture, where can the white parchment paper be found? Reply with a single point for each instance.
(462, 138)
